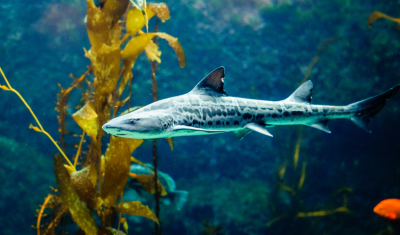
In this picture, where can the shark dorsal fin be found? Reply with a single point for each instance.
(212, 84)
(303, 94)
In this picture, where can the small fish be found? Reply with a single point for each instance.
(389, 209)
(208, 109)
(176, 197)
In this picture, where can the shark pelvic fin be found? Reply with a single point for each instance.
(303, 94)
(241, 133)
(321, 125)
(258, 128)
(212, 84)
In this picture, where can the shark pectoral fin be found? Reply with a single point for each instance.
(241, 133)
(189, 128)
(258, 128)
(321, 125)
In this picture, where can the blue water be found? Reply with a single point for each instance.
(265, 47)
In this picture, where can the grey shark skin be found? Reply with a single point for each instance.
(208, 109)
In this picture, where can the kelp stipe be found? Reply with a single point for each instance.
(38, 129)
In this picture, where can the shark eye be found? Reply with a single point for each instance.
(133, 121)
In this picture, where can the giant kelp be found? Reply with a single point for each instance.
(290, 179)
(97, 181)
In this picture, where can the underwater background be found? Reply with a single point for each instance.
(252, 186)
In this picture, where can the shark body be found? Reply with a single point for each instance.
(208, 109)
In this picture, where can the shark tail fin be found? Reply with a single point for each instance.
(365, 110)
(178, 198)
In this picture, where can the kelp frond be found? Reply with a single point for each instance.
(40, 128)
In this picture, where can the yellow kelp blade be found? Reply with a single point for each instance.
(137, 44)
(160, 10)
(137, 20)
(147, 182)
(152, 52)
(86, 118)
(78, 209)
(174, 43)
(82, 183)
(171, 143)
(376, 15)
(133, 144)
(136, 208)
(118, 162)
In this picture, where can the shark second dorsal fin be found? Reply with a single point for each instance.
(212, 84)
(303, 94)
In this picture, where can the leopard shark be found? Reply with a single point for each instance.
(208, 109)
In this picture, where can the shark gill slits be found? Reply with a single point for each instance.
(236, 123)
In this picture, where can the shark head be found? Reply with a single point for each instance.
(139, 125)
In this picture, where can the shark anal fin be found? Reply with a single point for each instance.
(258, 128)
(212, 84)
(303, 94)
(241, 133)
(321, 125)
